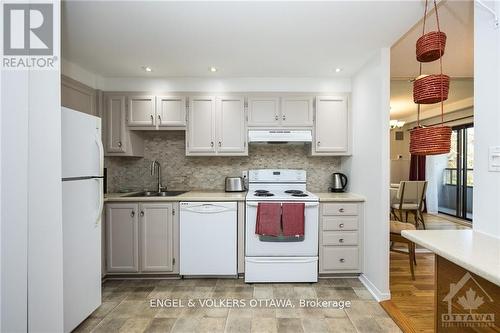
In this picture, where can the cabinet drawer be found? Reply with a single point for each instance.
(340, 223)
(339, 258)
(340, 209)
(340, 238)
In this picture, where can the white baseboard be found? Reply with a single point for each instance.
(379, 296)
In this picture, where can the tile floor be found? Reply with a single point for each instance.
(126, 308)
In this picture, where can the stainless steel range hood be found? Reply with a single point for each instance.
(279, 136)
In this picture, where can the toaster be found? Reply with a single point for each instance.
(235, 184)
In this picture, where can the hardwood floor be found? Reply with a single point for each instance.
(414, 299)
(412, 303)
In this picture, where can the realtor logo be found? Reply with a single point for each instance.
(467, 295)
(27, 29)
(28, 36)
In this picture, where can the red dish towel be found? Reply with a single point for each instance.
(268, 219)
(293, 219)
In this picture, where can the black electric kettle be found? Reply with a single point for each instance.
(339, 182)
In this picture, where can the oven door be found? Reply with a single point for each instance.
(255, 247)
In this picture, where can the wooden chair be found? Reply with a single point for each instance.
(395, 236)
(411, 196)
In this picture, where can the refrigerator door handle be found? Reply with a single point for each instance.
(101, 152)
(101, 201)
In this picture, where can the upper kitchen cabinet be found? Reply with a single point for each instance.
(216, 126)
(296, 111)
(150, 112)
(170, 111)
(78, 96)
(118, 139)
(141, 110)
(287, 111)
(231, 126)
(263, 111)
(332, 129)
(200, 135)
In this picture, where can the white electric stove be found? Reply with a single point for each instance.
(269, 259)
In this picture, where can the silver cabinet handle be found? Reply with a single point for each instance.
(152, 119)
(132, 213)
(341, 240)
(341, 225)
(341, 210)
(284, 117)
(276, 117)
(211, 144)
(159, 119)
(142, 213)
(318, 143)
(342, 260)
(220, 144)
(119, 144)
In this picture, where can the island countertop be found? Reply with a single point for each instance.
(476, 252)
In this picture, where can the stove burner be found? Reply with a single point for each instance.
(300, 195)
(263, 194)
(261, 191)
(294, 192)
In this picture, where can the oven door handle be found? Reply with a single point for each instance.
(307, 204)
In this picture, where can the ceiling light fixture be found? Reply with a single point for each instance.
(213, 69)
(397, 123)
(147, 69)
(338, 70)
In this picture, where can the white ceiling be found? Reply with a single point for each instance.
(242, 39)
(457, 21)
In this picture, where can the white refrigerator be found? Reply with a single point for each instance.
(82, 202)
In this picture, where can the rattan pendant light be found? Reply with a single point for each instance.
(430, 89)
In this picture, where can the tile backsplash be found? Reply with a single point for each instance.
(181, 172)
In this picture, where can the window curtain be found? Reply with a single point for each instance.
(417, 167)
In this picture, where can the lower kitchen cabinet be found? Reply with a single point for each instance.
(141, 237)
(156, 231)
(340, 239)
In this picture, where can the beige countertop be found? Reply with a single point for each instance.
(476, 252)
(188, 196)
(223, 196)
(336, 197)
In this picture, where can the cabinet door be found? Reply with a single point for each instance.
(230, 126)
(297, 111)
(115, 124)
(156, 237)
(170, 111)
(141, 110)
(332, 126)
(201, 126)
(263, 111)
(122, 236)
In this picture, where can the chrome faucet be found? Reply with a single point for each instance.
(155, 165)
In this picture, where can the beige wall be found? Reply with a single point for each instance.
(208, 173)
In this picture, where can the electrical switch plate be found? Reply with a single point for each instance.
(494, 159)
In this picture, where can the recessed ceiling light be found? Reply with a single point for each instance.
(147, 69)
(338, 70)
(213, 69)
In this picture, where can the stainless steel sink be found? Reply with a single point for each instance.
(156, 194)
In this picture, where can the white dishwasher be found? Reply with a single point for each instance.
(208, 238)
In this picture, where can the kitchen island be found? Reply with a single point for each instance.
(467, 278)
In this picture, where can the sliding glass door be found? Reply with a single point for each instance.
(455, 195)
